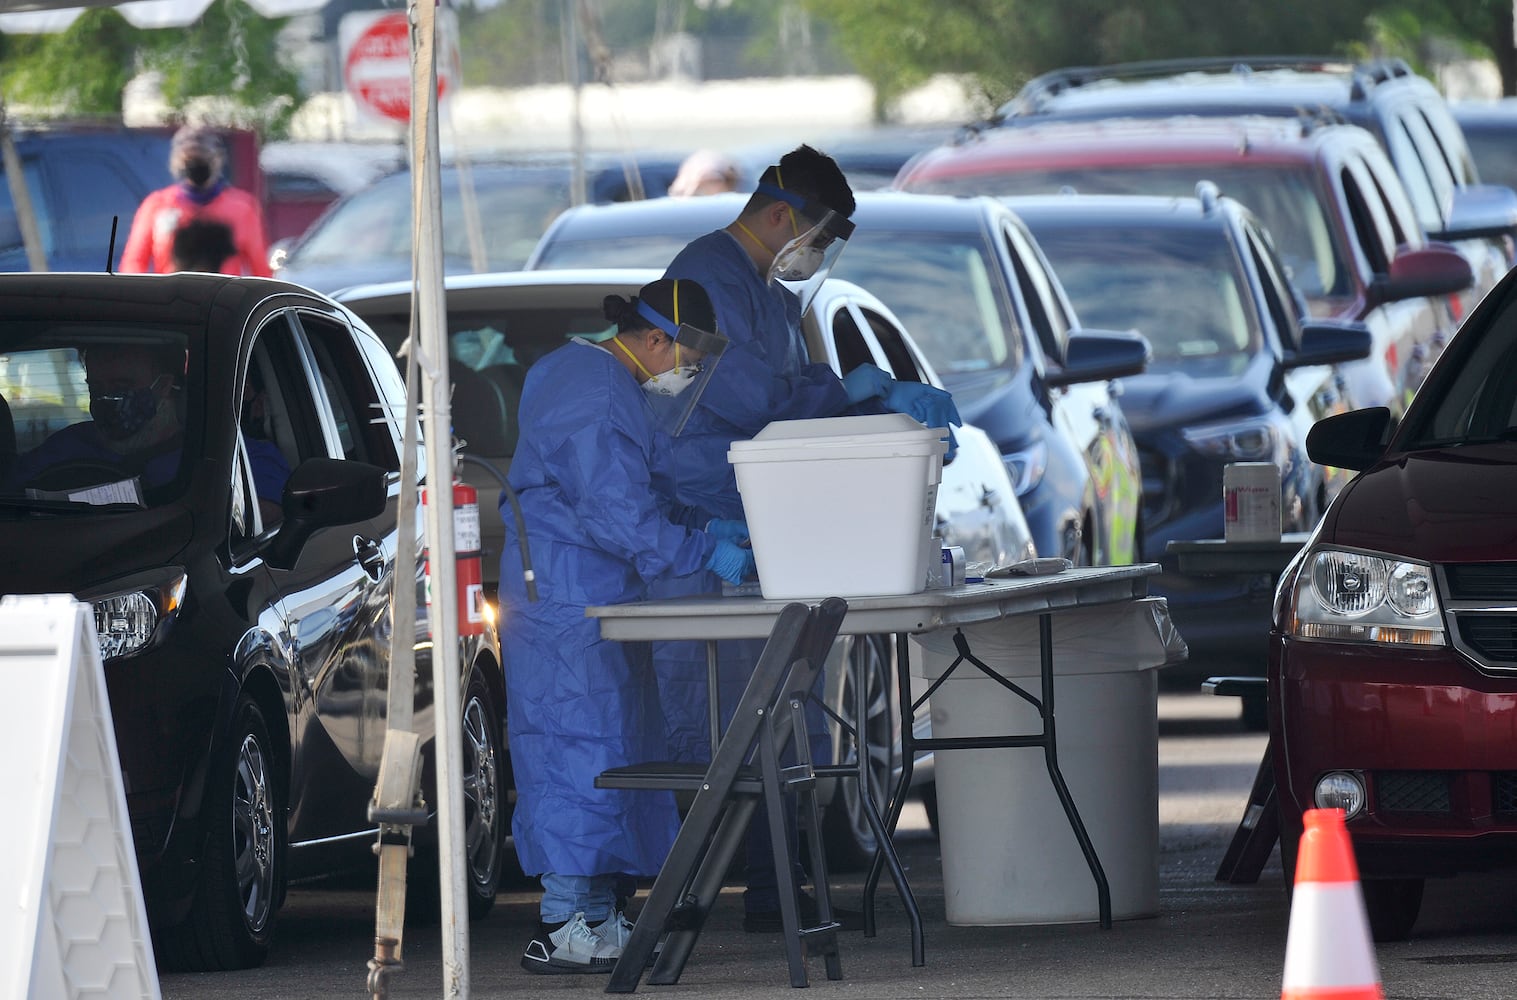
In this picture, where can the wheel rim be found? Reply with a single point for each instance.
(481, 793)
(877, 729)
(253, 834)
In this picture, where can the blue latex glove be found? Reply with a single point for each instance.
(730, 561)
(733, 531)
(933, 407)
(866, 382)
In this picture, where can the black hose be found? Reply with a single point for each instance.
(521, 526)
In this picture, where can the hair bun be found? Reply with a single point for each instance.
(614, 307)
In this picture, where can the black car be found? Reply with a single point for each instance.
(213, 464)
(1236, 374)
(966, 278)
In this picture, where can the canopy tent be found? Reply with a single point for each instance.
(429, 363)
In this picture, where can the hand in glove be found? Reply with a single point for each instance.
(866, 382)
(733, 531)
(933, 407)
(730, 561)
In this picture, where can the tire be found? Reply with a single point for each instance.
(1393, 905)
(849, 841)
(485, 817)
(231, 921)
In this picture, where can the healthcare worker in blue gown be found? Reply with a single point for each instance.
(591, 475)
(789, 233)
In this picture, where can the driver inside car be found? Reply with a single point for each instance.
(134, 430)
(134, 426)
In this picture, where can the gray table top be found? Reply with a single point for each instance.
(713, 616)
(1218, 557)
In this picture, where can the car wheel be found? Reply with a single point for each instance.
(485, 813)
(849, 841)
(1393, 905)
(231, 922)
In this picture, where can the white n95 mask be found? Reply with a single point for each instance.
(672, 382)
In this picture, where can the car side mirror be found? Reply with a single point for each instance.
(1098, 355)
(1354, 440)
(1325, 342)
(322, 493)
(1480, 211)
(1436, 269)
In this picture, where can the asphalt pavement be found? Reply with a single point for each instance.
(1209, 939)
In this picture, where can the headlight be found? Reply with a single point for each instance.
(130, 614)
(1349, 596)
(1026, 467)
(1241, 441)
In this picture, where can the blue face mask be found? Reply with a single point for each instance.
(121, 414)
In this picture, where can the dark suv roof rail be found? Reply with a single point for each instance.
(1031, 99)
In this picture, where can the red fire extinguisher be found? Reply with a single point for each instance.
(471, 596)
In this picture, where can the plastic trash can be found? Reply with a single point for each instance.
(1009, 853)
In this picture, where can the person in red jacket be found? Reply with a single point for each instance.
(197, 158)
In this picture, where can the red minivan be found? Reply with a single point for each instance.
(1393, 649)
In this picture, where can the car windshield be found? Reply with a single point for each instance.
(516, 207)
(92, 416)
(1471, 397)
(1284, 199)
(1180, 288)
(1493, 151)
(944, 289)
(622, 250)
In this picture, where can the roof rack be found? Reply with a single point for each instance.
(1037, 92)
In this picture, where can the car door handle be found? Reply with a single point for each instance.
(370, 555)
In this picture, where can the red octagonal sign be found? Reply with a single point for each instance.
(377, 70)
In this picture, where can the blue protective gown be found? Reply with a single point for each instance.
(765, 374)
(584, 473)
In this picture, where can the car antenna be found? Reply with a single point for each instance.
(110, 252)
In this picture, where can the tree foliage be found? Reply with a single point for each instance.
(230, 56)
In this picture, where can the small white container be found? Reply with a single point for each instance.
(1251, 502)
(841, 506)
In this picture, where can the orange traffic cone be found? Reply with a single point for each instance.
(1328, 954)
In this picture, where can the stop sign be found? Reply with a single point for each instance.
(376, 65)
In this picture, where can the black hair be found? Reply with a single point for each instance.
(202, 245)
(811, 174)
(680, 300)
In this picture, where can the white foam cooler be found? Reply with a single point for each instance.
(841, 506)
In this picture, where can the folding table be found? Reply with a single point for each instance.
(715, 617)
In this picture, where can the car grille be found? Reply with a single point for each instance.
(1412, 791)
(1482, 605)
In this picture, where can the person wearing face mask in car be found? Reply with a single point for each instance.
(197, 159)
(757, 268)
(591, 475)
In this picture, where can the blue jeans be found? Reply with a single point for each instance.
(566, 895)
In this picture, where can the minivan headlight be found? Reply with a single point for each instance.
(131, 614)
(1344, 595)
(1256, 440)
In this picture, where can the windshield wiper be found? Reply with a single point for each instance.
(26, 504)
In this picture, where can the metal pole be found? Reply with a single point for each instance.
(437, 424)
(570, 29)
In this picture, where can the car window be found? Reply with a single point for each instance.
(357, 411)
(946, 291)
(1420, 187)
(99, 413)
(649, 250)
(1285, 198)
(274, 432)
(1180, 288)
(1492, 149)
(1280, 304)
(1471, 397)
(903, 365)
(1372, 228)
(1450, 142)
(1430, 155)
(852, 349)
(1038, 295)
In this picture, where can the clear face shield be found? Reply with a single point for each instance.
(804, 262)
(675, 393)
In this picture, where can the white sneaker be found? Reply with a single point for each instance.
(573, 948)
(615, 930)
